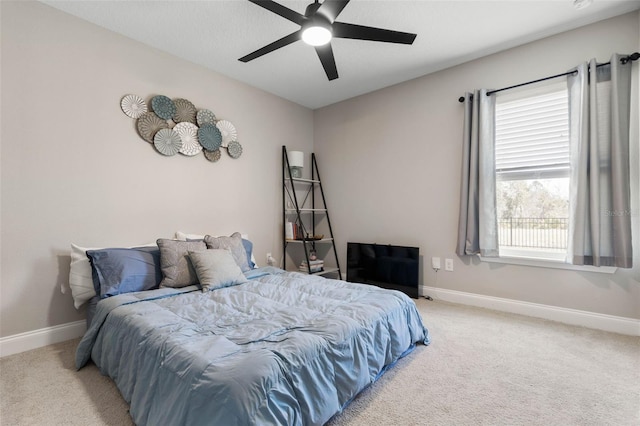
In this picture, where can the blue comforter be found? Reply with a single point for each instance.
(282, 349)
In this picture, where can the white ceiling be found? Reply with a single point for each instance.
(215, 33)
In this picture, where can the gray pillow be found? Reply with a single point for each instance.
(216, 268)
(234, 245)
(175, 264)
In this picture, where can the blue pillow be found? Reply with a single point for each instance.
(125, 270)
(248, 247)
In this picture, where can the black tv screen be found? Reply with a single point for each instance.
(388, 266)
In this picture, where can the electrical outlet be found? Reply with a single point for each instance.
(435, 263)
(269, 259)
(448, 264)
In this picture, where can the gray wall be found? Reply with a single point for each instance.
(75, 170)
(395, 170)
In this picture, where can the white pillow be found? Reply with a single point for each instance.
(80, 279)
(182, 236)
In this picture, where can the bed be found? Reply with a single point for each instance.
(280, 348)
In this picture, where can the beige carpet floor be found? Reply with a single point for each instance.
(482, 368)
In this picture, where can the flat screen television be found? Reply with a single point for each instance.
(388, 266)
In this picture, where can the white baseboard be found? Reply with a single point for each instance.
(622, 325)
(38, 338)
(47, 336)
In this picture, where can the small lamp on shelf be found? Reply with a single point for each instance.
(296, 163)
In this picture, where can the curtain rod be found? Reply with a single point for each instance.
(633, 57)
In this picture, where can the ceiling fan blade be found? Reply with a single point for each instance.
(360, 32)
(325, 53)
(332, 8)
(284, 41)
(279, 9)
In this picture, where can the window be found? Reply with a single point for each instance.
(532, 172)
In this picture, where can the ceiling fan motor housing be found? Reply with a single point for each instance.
(312, 9)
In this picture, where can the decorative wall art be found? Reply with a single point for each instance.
(167, 142)
(134, 106)
(228, 132)
(209, 137)
(175, 126)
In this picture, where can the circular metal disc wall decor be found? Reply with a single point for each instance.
(189, 134)
(212, 156)
(148, 125)
(163, 107)
(234, 149)
(133, 105)
(177, 126)
(167, 142)
(204, 116)
(228, 131)
(209, 137)
(185, 111)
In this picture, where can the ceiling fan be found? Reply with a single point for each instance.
(318, 25)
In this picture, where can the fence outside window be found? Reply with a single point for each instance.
(547, 233)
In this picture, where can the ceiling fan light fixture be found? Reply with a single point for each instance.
(317, 33)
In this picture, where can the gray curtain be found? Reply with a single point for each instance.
(600, 210)
(478, 223)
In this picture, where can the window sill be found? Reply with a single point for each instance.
(548, 263)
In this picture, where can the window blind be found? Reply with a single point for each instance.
(532, 136)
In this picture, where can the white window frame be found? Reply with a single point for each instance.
(531, 256)
(548, 263)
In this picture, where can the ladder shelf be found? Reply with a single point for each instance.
(308, 214)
